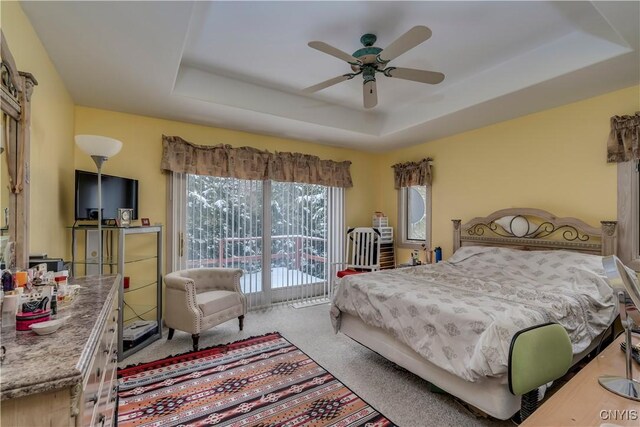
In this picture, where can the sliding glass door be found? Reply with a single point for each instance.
(224, 220)
(280, 234)
(299, 237)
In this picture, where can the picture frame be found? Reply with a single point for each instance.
(145, 222)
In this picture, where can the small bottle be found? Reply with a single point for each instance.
(61, 286)
(54, 300)
(438, 253)
(8, 284)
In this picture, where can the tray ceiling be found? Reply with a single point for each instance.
(243, 65)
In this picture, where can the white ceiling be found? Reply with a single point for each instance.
(242, 65)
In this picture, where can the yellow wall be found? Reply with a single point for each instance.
(51, 137)
(142, 150)
(553, 160)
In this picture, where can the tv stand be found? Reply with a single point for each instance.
(140, 294)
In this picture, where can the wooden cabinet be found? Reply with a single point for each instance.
(387, 256)
(67, 378)
(387, 246)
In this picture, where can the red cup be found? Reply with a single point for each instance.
(126, 282)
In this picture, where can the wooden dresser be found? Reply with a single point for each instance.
(67, 378)
(584, 402)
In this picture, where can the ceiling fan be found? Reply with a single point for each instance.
(370, 60)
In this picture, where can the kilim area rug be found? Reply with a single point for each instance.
(260, 381)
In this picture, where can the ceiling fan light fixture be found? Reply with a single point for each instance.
(369, 73)
(370, 60)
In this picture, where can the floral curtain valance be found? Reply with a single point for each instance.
(223, 160)
(624, 139)
(412, 173)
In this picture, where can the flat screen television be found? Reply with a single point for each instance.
(117, 192)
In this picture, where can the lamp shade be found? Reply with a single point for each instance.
(95, 145)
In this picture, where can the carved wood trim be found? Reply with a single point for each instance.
(609, 237)
(10, 63)
(17, 88)
(28, 83)
(536, 213)
(76, 394)
(10, 105)
(456, 234)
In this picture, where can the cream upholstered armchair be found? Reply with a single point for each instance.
(201, 298)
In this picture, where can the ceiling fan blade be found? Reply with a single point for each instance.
(370, 94)
(333, 51)
(327, 83)
(408, 40)
(421, 76)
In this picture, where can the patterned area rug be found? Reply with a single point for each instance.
(262, 381)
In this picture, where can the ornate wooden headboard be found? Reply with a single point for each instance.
(527, 228)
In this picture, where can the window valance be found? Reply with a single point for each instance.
(412, 173)
(624, 139)
(224, 160)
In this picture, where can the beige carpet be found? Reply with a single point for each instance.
(396, 393)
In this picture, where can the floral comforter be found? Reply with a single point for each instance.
(461, 314)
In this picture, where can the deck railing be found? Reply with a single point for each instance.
(300, 277)
(299, 255)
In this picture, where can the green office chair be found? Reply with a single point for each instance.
(537, 355)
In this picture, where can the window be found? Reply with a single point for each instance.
(414, 216)
(282, 235)
(629, 214)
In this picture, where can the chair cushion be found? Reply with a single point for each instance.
(215, 301)
(343, 273)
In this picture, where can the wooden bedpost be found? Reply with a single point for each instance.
(456, 234)
(609, 237)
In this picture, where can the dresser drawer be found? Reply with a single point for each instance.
(96, 408)
(32, 394)
(108, 396)
(91, 392)
(111, 328)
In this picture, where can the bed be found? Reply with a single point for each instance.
(452, 323)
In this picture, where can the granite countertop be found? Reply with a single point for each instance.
(35, 364)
